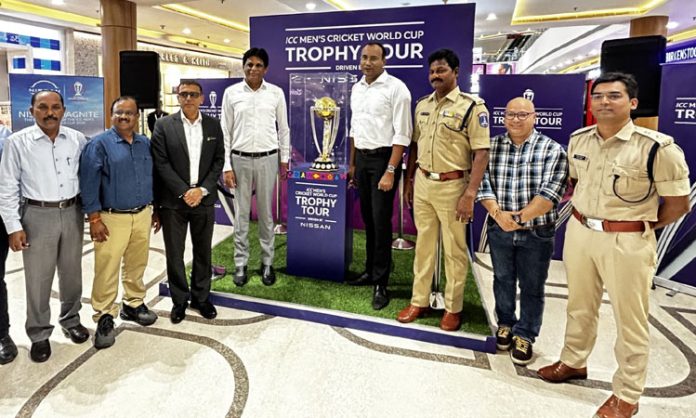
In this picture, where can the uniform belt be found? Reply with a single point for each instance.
(62, 204)
(450, 175)
(609, 226)
(254, 154)
(374, 151)
(129, 211)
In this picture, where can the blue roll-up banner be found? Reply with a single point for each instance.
(83, 96)
(558, 101)
(677, 118)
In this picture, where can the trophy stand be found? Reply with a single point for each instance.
(401, 243)
(437, 298)
(279, 228)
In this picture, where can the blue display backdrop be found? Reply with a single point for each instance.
(84, 100)
(558, 101)
(332, 41)
(677, 118)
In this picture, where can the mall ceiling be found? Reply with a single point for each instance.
(221, 26)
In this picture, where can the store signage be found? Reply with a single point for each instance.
(681, 52)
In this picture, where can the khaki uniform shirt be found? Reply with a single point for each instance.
(610, 170)
(446, 132)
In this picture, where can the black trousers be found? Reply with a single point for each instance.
(4, 314)
(175, 223)
(376, 208)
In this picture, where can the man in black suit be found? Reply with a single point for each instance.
(188, 155)
(152, 117)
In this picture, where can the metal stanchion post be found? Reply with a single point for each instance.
(437, 298)
(279, 228)
(401, 243)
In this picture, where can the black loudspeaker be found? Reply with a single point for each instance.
(140, 77)
(642, 57)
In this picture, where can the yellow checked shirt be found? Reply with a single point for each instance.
(612, 174)
(445, 139)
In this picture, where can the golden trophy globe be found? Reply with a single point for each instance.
(326, 109)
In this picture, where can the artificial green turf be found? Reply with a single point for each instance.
(338, 296)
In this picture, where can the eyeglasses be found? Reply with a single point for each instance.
(191, 94)
(125, 113)
(611, 96)
(518, 115)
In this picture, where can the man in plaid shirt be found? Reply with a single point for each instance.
(521, 189)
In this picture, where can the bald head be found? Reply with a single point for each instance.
(519, 119)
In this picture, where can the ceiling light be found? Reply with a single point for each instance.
(491, 16)
(58, 2)
(568, 62)
(579, 57)
(593, 52)
(186, 31)
(226, 40)
(311, 6)
(191, 12)
(672, 24)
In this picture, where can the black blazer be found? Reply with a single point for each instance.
(171, 161)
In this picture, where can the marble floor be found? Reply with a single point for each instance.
(253, 365)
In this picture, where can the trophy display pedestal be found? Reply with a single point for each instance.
(320, 241)
(324, 165)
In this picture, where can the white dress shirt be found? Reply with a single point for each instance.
(35, 168)
(381, 113)
(249, 119)
(194, 141)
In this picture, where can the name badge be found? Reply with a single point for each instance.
(579, 157)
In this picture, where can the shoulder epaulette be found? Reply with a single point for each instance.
(656, 136)
(473, 98)
(424, 97)
(582, 130)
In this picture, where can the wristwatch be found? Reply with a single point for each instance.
(518, 219)
(391, 169)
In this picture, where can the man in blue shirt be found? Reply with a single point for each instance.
(521, 189)
(116, 184)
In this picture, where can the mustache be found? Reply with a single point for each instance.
(50, 118)
(435, 79)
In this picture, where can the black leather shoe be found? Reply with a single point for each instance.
(40, 351)
(8, 350)
(240, 276)
(140, 315)
(365, 279)
(268, 276)
(77, 334)
(380, 299)
(178, 313)
(205, 308)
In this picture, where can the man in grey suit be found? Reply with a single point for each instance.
(188, 155)
(40, 205)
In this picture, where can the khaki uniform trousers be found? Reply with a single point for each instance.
(435, 205)
(624, 263)
(129, 241)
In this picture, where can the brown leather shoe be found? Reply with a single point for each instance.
(411, 313)
(616, 408)
(451, 321)
(559, 372)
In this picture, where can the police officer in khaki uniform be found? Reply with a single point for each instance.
(620, 173)
(450, 127)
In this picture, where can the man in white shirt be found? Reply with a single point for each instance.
(380, 131)
(187, 153)
(255, 124)
(40, 206)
